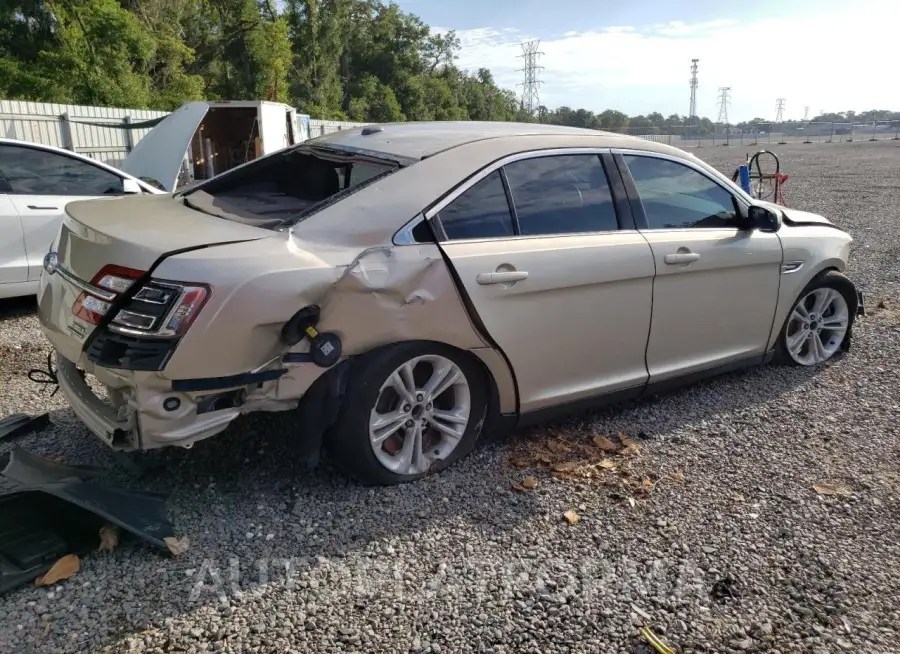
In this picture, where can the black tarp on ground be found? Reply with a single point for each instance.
(48, 510)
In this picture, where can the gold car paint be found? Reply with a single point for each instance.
(374, 292)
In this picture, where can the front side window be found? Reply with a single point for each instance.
(676, 196)
(30, 171)
(562, 194)
(482, 211)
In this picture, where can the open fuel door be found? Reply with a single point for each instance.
(158, 157)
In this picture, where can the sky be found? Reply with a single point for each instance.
(635, 55)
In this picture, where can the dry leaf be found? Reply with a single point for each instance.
(565, 466)
(632, 450)
(605, 444)
(609, 464)
(529, 482)
(738, 498)
(625, 440)
(63, 569)
(519, 488)
(177, 546)
(832, 489)
(676, 476)
(571, 517)
(109, 538)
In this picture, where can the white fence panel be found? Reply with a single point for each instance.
(323, 127)
(63, 125)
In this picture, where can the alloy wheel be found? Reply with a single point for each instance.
(817, 326)
(421, 414)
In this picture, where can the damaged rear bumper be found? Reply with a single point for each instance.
(165, 417)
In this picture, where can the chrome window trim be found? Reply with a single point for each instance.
(404, 235)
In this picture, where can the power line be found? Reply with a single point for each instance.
(693, 110)
(724, 100)
(530, 97)
(779, 110)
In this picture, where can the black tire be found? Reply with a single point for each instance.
(349, 444)
(831, 279)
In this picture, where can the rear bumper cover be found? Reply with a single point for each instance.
(154, 427)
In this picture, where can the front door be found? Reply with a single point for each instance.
(562, 291)
(716, 286)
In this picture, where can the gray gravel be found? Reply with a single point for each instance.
(461, 563)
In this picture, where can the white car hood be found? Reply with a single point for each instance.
(157, 158)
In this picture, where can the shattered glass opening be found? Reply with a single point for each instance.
(279, 190)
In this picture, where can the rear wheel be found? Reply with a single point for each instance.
(819, 322)
(410, 410)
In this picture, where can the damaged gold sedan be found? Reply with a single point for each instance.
(406, 287)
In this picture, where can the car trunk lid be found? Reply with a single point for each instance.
(129, 233)
(136, 232)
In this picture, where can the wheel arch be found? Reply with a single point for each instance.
(790, 293)
(320, 405)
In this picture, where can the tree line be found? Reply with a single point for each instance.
(359, 60)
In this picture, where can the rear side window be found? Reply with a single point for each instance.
(562, 194)
(482, 211)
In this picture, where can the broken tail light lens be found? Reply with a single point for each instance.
(92, 307)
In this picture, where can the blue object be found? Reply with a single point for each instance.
(744, 172)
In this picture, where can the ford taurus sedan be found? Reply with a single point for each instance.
(403, 288)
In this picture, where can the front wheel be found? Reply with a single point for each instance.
(819, 322)
(411, 409)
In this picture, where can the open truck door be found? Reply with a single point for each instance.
(157, 158)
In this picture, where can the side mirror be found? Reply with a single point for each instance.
(763, 219)
(131, 187)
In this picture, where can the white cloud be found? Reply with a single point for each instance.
(833, 62)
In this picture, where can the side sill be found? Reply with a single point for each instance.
(594, 403)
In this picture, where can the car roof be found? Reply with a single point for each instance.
(417, 140)
(75, 155)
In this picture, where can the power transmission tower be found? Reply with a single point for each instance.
(693, 110)
(530, 98)
(779, 110)
(806, 113)
(724, 100)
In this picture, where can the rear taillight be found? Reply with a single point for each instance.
(158, 308)
(190, 301)
(92, 307)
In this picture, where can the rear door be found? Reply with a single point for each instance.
(42, 182)
(716, 286)
(559, 281)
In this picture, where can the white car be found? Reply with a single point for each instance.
(36, 183)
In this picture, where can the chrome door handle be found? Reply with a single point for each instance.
(502, 277)
(681, 257)
(37, 208)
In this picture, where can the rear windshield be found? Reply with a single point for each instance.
(281, 189)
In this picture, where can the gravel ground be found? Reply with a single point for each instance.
(306, 562)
